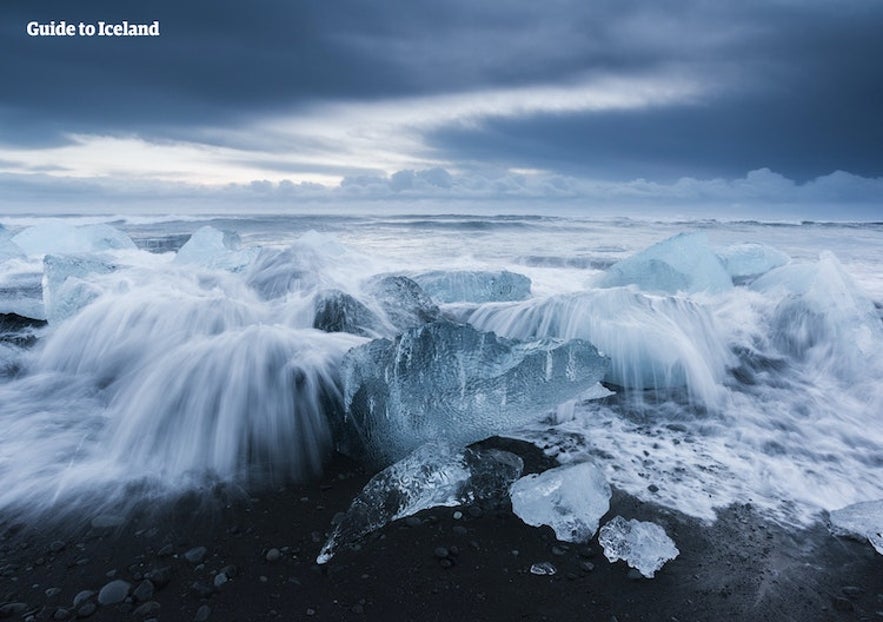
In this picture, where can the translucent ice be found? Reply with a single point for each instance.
(652, 341)
(403, 301)
(474, 286)
(303, 265)
(65, 290)
(8, 248)
(339, 312)
(212, 248)
(862, 520)
(642, 545)
(435, 474)
(60, 238)
(683, 262)
(21, 289)
(570, 499)
(750, 260)
(450, 381)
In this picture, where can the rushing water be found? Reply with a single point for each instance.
(157, 375)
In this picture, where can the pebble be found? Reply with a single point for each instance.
(413, 521)
(587, 566)
(201, 589)
(56, 546)
(114, 592)
(196, 554)
(220, 579)
(273, 555)
(165, 551)
(52, 592)
(144, 591)
(149, 608)
(441, 552)
(82, 597)
(11, 609)
(61, 614)
(160, 577)
(458, 515)
(87, 610)
(653, 488)
(557, 550)
(311, 611)
(202, 613)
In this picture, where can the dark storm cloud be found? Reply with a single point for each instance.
(796, 86)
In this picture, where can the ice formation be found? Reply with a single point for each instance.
(212, 248)
(750, 259)
(435, 474)
(682, 263)
(65, 290)
(60, 238)
(652, 341)
(21, 290)
(403, 301)
(474, 286)
(862, 520)
(450, 381)
(8, 248)
(339, 312)
(642, 545)
(570, 499)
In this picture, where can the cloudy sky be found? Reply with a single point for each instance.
(700, 106)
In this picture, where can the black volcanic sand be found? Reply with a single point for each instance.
(429, 567)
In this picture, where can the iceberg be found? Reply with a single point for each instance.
(860, 520)
(474, 286)
(65, 291)
(750, 260)
(682, 263)
(642, 545)
(403, 301)
(212, 248)
(60, 238)
(653, 342)
(570, 499)
(433, 475)
(450, 381)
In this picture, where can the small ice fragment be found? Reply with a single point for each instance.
(212, 248)
(433, 475)
(570, 499)
(543, 568)
(862, 520)
(644, 546)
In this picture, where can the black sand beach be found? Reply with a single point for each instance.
(467, 563)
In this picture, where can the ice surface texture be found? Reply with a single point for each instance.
(450, 381)
(750, 260)
(60, 238)
(403, 301)
(682, 263)
(570, 499)
(435, 474)
(474, 286)
(862, 520)
(212, 248)
(642, 545)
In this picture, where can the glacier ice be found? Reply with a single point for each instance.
(474, 285)
(65, 291)
(445, 380)
(570, 499)
(682, 263)
(8, 248)
(822, 316)
(61, 238)
(642, 545)
(21, 290)
(435, 474)
(212, 248)
(750, 259)
(862, 520)
(403, 301)
(652, 341)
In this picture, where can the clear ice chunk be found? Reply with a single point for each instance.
(450, 381)
(682, 263)
(21, 290)
(215, 249)
(65, 289)
(861, 520)
(339, 312)
(8, 248)
(749, 260)
(433, 475)
(474, 286)
(642, 545)
(61, 238)
(570, 499)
